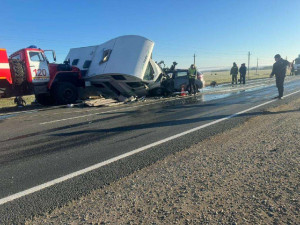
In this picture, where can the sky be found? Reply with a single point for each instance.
(217, 32)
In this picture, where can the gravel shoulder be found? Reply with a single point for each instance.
(247, 175)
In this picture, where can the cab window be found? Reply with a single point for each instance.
(16, 57)
(105, 56)
(36, 56)
(149, 73)
(181, 74)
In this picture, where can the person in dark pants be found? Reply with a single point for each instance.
(279, 70)
(192, 75)
(234, 72)
(243, 70)
(292, 69)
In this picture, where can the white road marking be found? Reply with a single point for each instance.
(98, 165)
(99, 113)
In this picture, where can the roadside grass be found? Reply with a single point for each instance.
(6, 103)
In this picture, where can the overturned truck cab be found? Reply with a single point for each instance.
(122, 66)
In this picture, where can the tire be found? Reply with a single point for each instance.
(45, 99)
(157, 92)
(18, 71)
(65, 93)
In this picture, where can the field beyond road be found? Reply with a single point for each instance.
(246, 175)
(224, 76)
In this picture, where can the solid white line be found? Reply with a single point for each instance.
(98, 165)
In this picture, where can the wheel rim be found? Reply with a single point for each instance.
(68, 94)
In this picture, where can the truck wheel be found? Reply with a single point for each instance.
(45, 99)
(18, 71)
(65, 93)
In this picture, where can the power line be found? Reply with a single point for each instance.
(248, 65)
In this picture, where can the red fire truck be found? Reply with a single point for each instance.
(28, 71)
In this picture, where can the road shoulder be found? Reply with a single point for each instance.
(247, 175)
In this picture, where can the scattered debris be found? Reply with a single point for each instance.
(100, 102)
(213, 83)
(20, 101)
(142, 99)
(70, 105)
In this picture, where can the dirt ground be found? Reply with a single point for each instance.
(247, 175)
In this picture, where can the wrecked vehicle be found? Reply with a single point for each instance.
(122, 66)
(179, 78)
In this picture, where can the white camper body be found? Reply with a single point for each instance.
(121, 66)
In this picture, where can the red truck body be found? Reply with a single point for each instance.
(5, 74)
(28, 71)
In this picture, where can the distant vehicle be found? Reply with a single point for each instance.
(180, 77)
(297, 65)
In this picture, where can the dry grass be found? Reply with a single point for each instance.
(9, 102)
(225, 77)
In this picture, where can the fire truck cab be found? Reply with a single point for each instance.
(31, 73)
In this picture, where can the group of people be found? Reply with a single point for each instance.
(279, 70)
(234, 73)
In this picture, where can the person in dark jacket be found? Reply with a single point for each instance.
(279, 70)
(234, 72)
(243, 70)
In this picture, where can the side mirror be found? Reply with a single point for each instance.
(54, 56)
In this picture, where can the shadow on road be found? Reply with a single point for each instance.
(68, 140)
(167, 123)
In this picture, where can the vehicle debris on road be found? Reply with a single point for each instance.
(100, 102)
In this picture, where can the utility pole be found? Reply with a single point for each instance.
(257, 66)
(248, 65)
(194, 59)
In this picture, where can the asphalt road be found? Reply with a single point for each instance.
(39, 146)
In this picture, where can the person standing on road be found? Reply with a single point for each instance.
(243, 70)
(192, 75)
(234, 72)
(279, 70)
(292, 69)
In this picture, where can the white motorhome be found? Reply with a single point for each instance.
(297, 65)
(121, 66)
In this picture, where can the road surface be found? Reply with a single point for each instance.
(50, 157)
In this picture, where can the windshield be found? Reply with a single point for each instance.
(36, 56)
(181, 73)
